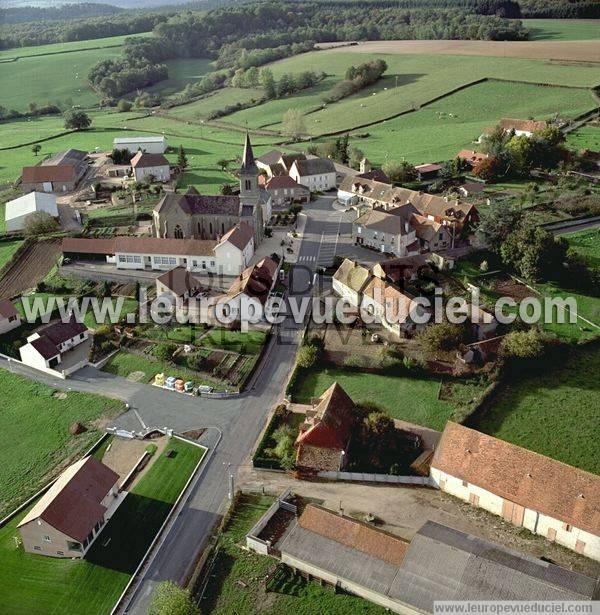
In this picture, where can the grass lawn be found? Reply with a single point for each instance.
(181, 72)
(236, 585)
(586, 137)
(562, 29)
(35, 443)
(587, 243)
(402, 397)
(124, 363)
(7, 249)
(554, 412)
(250, 342)
(34, 583)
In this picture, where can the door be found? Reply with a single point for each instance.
(47, 186)
(551, 534)
(518, 514)
(507, 510)
(474, 499)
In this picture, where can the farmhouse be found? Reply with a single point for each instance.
(178, 283)
(429, 171)
(195, 216)
(471, 157)
(439, 563)
(9, 317)
(317, 174)
(471, 188)
(59, 349)
(285, 190)
(521, 128)
(276, 163)
(17, 210)
(322, 444)
(150, 145)
(350, 280)
(235, 249)
(378, 195)
(227, 257)
(150, 167)
(59, 173)
(71, 514)
(545, 496)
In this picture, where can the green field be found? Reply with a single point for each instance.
(402, 397)
(38, 584)
(587, 243)
(181, 72)
(215, 101)
(237, 586)
(34, 439)
(586, 137)
(555, 412)
(7, 248)
(250, 342)
(563, 29)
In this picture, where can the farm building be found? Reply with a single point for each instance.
(67, 519)
(150, 167)
(178, 283)
(545, 496)
(150, 145)
(17, 210)
(285, 190)
(227, 257)
(317, 174)
(428, 171)
(439, 563)
(471, 157)
(521, 128)
(59, 349)
(9, 317)
(59, 173)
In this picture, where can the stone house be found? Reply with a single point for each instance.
(150, 167)
(317, 174)
(350, 280)
(59, 173)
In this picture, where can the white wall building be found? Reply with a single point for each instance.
(317, 174)
(17, 210)
(9, 317)
(150, 167)
(547, 497)
(150, 145)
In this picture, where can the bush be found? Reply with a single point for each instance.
(40, 223)
(151, 449)
(307, 356)
(164, 351)
(442, 336)
(170, 599)
(524, 344)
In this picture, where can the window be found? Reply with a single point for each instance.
(212, 263)
(210, 228)
(81, 336)
(122, 258)
(178, 232)
(12, 318)
(223, 228)
(567, 527)
(465, 483)
(248, 184)
(60, 553)
(36, 548)
(53, 362)
(73, 546)
(47, 539)
(203, 264)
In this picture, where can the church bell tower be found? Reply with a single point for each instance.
(249, 190)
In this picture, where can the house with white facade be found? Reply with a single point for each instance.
(70, 516)
(59, 349)
(150, 167)
(9, 317)
(350, 280)
(150, 145)
(520, 128)
(542, 495)
(317, 174)
(18, 210)
(235, 249)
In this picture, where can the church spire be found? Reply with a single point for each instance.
(248, 163)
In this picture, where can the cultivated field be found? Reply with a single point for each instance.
(563, 29)
(8, 248)
(35, 444)
(554, 412)
(45, 585)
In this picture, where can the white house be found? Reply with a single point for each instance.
(9, 317)
(229, 256)
(547, 497)
(17, 210)
(148, 166)
(317, 174)
(350, 280)
(521, 128)
(59, 349)
(150, 145)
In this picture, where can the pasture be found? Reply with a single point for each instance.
(586, 137)
(35, 443)
(7, 248)
(553, 412)
(562, 29)
(586, 243)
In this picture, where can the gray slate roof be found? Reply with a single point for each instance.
(315, 166)
(200, 204)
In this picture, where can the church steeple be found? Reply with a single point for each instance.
(248, 162)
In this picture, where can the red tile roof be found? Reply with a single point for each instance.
(471, 156)
(73, 504)
(7, 309)
(354, 534)
(282, 181)
(48, 173)
(139, 245)
(532, 480)
(239, 235)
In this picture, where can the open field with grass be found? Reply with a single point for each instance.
(215, 101)
(408, 398)
(586, 243)
(586, 137)
(7, 248)
(562, 29)
(35, 443)
(34, 583)
(181, 72)
(553, 412)
(237, 585)
(250, 342)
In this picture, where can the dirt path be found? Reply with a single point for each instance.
(578, 51)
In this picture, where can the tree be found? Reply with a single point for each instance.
(285, 85)
(170, 599)
(77, 120)
(226, 189)
(307, 355)
(124, 105)
(223, 163)
(267, 81)
(165, 351)
(490, 169)
(182, 158)
(441, 336)
(283, 450)
(32, 108)
(40, 223)
(293, 123)
(36, 149)
(377, 437)
(355, 155)
(400, 172)
(496, 224)
(524, 344)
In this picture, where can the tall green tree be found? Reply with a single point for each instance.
(77, 120)
(182, 160)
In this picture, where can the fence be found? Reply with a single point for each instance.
(365, 477)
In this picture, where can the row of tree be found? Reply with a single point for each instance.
(357, 78)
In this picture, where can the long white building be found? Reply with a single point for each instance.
(150, 145)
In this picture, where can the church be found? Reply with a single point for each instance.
(196, 216)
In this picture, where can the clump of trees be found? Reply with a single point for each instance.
(442, 336)
(171, 599)
(40, 223)
(400, 172)
(120, 156)
(77, 120)
(357, 78)
(339, 150)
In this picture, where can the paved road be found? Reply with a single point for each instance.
(240, 420)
